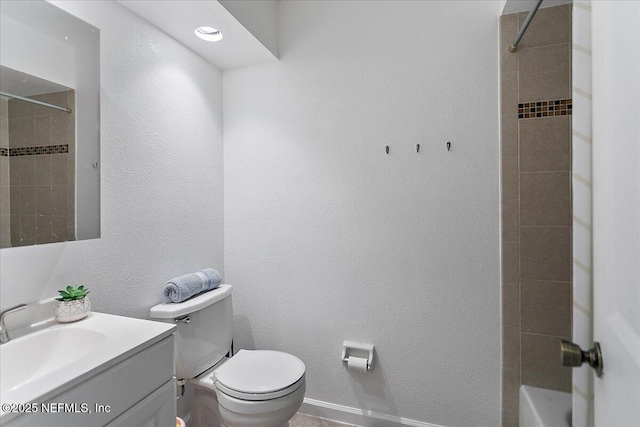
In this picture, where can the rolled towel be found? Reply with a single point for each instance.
(184, 287)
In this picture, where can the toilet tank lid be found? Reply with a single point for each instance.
(175, 310)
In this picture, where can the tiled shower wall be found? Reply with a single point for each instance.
(42, 170)
(536, 111)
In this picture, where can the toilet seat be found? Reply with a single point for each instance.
(259, 396)
(256, 375)
(259, 375)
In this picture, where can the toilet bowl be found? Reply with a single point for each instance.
(251, 388)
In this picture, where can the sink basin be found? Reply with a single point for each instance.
(43, 352)
(54, 357)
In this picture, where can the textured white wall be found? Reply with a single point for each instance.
(328, 238)
(162, 179)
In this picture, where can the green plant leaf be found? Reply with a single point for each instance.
(73, 293)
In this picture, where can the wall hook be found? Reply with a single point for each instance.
(95, 165)
(417, 148)
(448, 146)
(386, 149)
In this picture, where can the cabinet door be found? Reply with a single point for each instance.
(115, 389)
(156, 410)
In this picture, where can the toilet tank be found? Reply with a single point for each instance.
(204, 330)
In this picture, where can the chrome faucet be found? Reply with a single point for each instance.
(4, 334)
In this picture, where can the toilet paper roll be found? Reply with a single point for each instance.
(357, 364)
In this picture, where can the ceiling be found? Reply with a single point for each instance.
(179, 19)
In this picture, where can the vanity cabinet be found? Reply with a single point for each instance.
(157, 409)
(136, 391)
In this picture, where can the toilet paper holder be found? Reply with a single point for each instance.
(356, 349)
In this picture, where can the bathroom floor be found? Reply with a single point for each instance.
(300, 420)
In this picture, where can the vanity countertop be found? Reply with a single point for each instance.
(40, 365)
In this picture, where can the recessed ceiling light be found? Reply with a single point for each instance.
(209, 34)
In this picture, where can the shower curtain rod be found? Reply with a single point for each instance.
(525, 25)
(33, 101)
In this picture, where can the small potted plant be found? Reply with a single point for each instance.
(73, 304)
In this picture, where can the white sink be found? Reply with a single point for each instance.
(44, 352)
(42, 364)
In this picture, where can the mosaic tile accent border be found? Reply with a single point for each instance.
(34, 151)
(554, 107)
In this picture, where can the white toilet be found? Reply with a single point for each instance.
(252, 388)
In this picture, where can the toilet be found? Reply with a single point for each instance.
(250, 388)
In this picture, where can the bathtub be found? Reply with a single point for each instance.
(540, 407)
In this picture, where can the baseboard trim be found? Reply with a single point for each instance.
(360, 417)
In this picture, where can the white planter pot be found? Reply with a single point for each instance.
(70, 311)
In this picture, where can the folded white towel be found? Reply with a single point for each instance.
(184, 287)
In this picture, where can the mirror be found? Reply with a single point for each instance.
(49, 126)
(37, 145)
